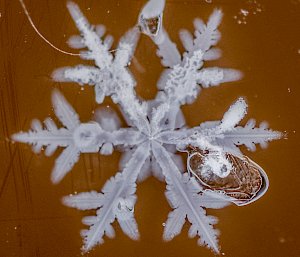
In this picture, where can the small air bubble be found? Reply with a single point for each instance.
(164, 224)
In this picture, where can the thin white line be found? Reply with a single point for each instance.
(37, 31)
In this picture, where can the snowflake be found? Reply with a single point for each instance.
(156, 129)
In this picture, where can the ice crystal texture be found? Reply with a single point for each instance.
(156, 129)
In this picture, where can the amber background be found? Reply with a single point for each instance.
(33, 222)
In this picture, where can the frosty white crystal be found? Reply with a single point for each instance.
(156, 129)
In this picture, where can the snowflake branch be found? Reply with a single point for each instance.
(207, 35)
(80, 74)
(182, 193)
(64, 111)
(223, 135)
(98, 50)
(51, 136)
(180, 82)
(115, 202)
(76, 137)
(214, 76)
(167, 49)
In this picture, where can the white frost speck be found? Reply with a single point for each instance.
(244, 12)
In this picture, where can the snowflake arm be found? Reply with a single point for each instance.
(249, 135)
(76, 137)
(224, 135)
(110, 73)
(182, 80)
(228, 135)
(51, 136)
(115, 202)
(111, 76)
(182, 194)
(98, 50)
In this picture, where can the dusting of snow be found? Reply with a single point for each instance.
(251, 7)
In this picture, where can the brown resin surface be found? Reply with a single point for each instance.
(33, 221)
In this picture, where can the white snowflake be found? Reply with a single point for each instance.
(156, 129)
